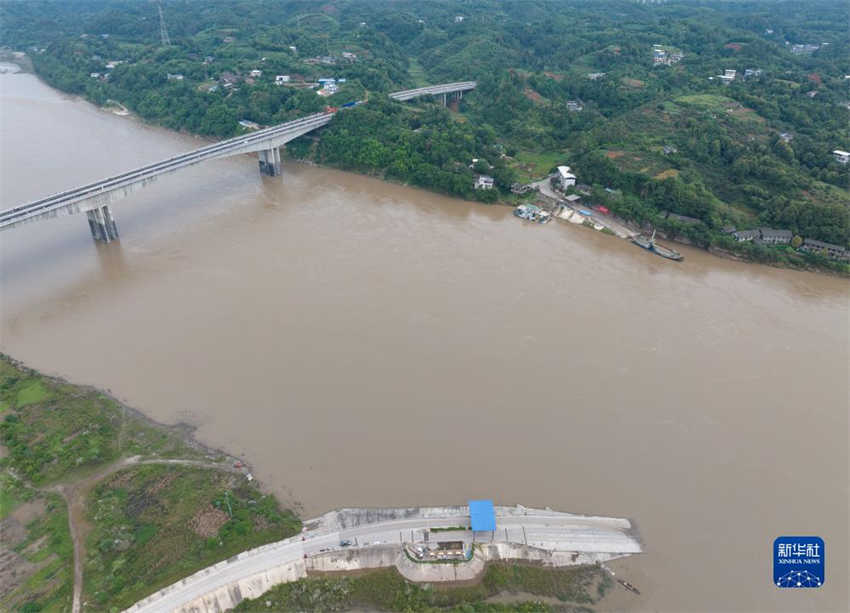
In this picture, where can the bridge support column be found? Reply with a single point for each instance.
(444, 100)
(270, 162)
(102, 224)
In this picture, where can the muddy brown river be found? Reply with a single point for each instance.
(363, 343)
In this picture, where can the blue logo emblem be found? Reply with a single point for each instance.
(799, 561)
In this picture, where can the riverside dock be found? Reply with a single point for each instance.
(412, 539)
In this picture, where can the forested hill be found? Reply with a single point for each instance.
(627, 93)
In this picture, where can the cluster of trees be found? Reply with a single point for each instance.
(428, 149)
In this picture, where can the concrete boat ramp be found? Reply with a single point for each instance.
(357, 539)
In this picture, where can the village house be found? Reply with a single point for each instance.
(250, 125)
(668, 149)
(458, 18)
(752, 73)
(174, 77)
(293, 48)
(661, 56)
(483, 182)
(743, 236)
(842, 157)
(728, 76)
(593, 76)
(281, 79)
(786, 137)
(228, 79)
(835, 252)
(564, 177)
(347, 55)
(574, 106)
(256, 74)
(769, 236)
(801, 49)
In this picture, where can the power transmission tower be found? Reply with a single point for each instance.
(163, 31)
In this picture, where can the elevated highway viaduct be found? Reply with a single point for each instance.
(95, 199)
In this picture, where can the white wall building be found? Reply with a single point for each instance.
(565, 177)
(484, 182)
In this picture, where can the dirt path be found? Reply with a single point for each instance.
(75, 493)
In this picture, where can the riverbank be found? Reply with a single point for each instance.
(142, 504)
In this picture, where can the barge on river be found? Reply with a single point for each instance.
(648, 243)
(532, 213)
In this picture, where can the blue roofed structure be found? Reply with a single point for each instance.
(482, 515)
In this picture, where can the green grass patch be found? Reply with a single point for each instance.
(155, 524)
(55, 429)
(387, 590)
(37, 536)
(532, 165)
(706, 101)
(32, 393)
(449, 529)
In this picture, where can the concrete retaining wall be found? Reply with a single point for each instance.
(380, 556)
(228, 597)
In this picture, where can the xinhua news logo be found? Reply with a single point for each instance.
(799, 561)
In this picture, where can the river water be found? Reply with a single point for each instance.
(363, 343)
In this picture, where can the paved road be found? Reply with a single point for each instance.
(559, 532)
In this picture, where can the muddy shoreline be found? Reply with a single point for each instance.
(185, 432)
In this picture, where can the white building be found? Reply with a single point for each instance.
(727, 77)
(174, 77)
(484, 182)
(565, 177)
(842, 157)
(256, 74)
(458, 18)
(281, 79)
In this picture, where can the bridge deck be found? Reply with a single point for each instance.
(84, 197)
(221, 149)
(434, 90)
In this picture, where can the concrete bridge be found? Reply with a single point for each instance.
(435, 90)
(95, 198)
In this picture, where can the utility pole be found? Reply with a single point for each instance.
(163, 32)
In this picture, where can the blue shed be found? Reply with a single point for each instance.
(482, 515)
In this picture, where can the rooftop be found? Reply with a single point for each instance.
(482, 515)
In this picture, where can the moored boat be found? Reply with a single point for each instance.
(532, 213)
(648, 243)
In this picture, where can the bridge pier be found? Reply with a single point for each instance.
(102, 225)
(270, 162)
